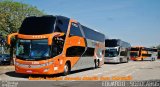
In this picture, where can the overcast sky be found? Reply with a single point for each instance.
(134, 21)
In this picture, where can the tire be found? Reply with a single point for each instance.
(127, 60)
(153, 59)
(142, 59)
(11, 62)
(66, 69)
(120, 60)
(96, 63)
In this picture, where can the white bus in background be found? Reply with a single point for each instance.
(117, 51)
(154, 53)
(150, 54)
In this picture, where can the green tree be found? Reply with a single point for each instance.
(11, 16)
(13, 13)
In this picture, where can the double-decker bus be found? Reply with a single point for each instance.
(143, 53)
(117, 51)
(136, 53)
(56, 44)
(149, 54)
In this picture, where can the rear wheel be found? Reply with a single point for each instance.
(153, 59)
(142, 59)
(127, 60)
(96, 63)
(66, 69)
(120, 60)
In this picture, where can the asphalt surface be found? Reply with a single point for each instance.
(134, 70)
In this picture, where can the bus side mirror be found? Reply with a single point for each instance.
(9, 37)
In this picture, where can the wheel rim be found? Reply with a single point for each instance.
(66, 68)
(97, 63)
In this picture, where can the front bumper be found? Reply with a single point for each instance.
(111, 60)
(42, 70)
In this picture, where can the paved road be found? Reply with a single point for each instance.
(138, 70)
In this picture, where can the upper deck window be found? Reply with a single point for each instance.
(111, 43)
(38, 25)
(135, 49)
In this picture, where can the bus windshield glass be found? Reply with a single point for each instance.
(32, 49)
(37, 25)
(111, 43)
(134, 54)
(134, 49)
(111, 53)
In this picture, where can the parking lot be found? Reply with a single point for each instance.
(136, 70)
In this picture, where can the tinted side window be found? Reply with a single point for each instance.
(37, 25)
(89, 52)
(62, 24)
(123, 53)
(75, 51)
(93, 35)
(75, 30)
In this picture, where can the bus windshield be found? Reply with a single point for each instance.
(111, 43)
(32, 49)
(134, 54)
(37, 25)
(134, 49)
(111, 53)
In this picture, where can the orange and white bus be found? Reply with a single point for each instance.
(56, 44)
(143, 53)
(136, 53)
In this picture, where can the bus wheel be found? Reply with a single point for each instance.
(66, 69)
(11, 63)
(142, 59)
(127, 60)
(120, 60)
(96, 63)
(153, 59)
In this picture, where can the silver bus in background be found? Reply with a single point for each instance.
(117, 51)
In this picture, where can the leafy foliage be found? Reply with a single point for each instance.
(13, 13)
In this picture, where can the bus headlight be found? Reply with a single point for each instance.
(45, 70)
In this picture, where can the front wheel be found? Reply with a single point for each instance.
(66, 69)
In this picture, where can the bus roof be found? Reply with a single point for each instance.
(116, 42)
(137, 47)
(46, 25)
